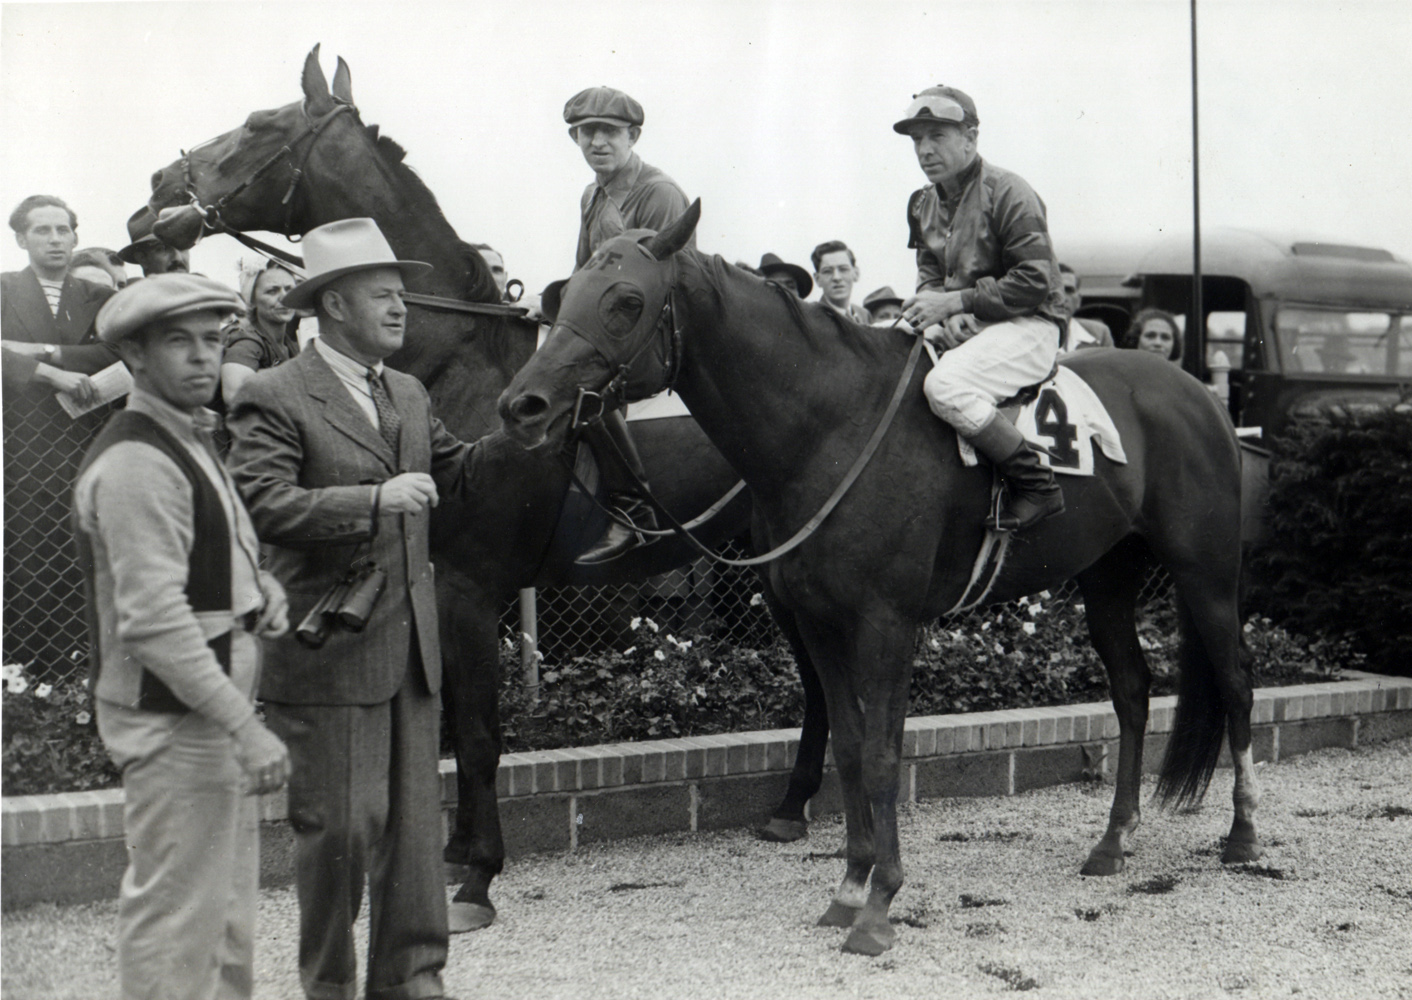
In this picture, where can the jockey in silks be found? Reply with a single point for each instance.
(988, 290)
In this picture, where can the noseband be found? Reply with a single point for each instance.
(313, 128)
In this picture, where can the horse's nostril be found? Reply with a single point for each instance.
(529, 406)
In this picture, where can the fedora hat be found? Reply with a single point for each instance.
(139, 232)
(883, 296)
(338, 248)
(771, 265)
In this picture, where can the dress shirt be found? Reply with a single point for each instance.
(354, 376)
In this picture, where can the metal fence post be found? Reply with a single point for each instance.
(529, 642)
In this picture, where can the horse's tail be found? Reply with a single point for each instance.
(1200, 728)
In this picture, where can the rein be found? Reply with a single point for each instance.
(683, 530)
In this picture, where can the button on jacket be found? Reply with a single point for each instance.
(993, 239)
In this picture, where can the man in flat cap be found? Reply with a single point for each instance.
(340, 460)
(148, 252)
(626, 194)
(988, 291)
(177, 600)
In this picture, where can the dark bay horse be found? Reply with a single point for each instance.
(791, 393)
(488, 549)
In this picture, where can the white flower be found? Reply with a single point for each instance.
(999, 648)
(1036, 609)
(756, 600)
(11, 670)
(1055, 657)
(508, 643)
(630, 650)
(933, 643)
(657, 654)
(17, 685)
(83, 718)
(985, 626)
(651, 624)
(635, 623)
(1044, 594)
(1249, 627)
(1028, 628)
(43, 691)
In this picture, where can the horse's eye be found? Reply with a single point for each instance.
(619, 311)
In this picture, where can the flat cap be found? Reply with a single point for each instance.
(938, 104)
(602, 104)
(162, 296)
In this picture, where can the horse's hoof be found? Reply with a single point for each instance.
(784, 831)
(1103, 864)
(838, 915)
(870, 940)
(463, 917)
(1239, 852)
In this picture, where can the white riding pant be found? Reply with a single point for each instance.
(967, 381)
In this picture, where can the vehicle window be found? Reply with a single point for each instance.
(1344, 342)
(1225, 333)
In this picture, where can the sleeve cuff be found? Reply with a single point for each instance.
(228, 708)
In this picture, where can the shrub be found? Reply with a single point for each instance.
(51, 740)
(1338, 560)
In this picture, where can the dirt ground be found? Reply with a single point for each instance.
(993, 904)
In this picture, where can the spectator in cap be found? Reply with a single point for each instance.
(836, 271)
(626, 194)
(883, 305)
(988, 291)
(178, 603)
(339, 456)
(772, 268)
(148, 252)
(1080, 332)
(268, 335)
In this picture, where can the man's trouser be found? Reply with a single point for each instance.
(364, 802)
(186, 909)
(966, 383)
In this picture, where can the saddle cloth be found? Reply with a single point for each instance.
(1062, 419)
(664, 404)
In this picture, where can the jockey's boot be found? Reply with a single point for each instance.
(1031, 492)
(625, 479)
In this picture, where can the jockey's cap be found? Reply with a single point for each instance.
(938, 104)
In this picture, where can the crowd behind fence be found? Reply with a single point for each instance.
(45, 626)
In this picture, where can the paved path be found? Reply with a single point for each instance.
(993, 905)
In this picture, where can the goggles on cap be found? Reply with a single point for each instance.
(935, 106)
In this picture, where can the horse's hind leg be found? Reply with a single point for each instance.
(788, 822)
(1110, 588)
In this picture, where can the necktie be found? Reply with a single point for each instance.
(388, 421)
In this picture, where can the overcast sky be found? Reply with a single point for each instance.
(776, 113)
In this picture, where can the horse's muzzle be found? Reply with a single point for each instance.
(525, 418)
(180, 226)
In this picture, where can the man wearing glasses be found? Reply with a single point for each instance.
(836, 271)
(988, 292)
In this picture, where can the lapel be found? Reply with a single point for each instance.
(73, 317)
(338, 408)
(32, 308)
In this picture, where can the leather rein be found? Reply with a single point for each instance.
(669, 332)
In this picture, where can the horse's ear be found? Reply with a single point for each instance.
(677, 235)
(550, 298)
(316, 95)
(342, 83)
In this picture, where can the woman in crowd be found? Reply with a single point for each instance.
(1155, 330)
(267, 336)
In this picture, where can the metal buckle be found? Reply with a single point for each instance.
(579, 421)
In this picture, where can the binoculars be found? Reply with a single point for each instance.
(349, 603)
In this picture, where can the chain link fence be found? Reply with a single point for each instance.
(44, 619)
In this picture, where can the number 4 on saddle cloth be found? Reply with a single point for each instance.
(1063, 417)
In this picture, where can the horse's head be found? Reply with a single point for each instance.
(613, 337)
(250, 177)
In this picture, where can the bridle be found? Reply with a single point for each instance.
(313, 128)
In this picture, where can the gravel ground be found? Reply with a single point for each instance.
(993, 904)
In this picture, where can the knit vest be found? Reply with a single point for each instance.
(208, 585)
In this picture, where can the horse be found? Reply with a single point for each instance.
(290, 169)
(790, 392)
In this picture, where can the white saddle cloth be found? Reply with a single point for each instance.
(1065, 416)
(664, 404)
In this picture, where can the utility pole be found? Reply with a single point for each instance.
(1196, 319)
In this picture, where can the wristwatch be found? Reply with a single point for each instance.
(49, 351)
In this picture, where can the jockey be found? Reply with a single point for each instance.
(988, 292)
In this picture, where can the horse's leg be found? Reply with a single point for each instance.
(1110, 588)
(787, 822)
(828, 647)
(882, 660)
(471, 679)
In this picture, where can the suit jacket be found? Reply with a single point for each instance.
(305, 457)
(25, 316)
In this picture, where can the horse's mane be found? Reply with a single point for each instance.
(814, 322)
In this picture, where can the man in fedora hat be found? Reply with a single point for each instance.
(177, 600)
(883, 305)
(783, 273)
(625, 194)
(988, 283)
(148, 252)
(340, 460)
